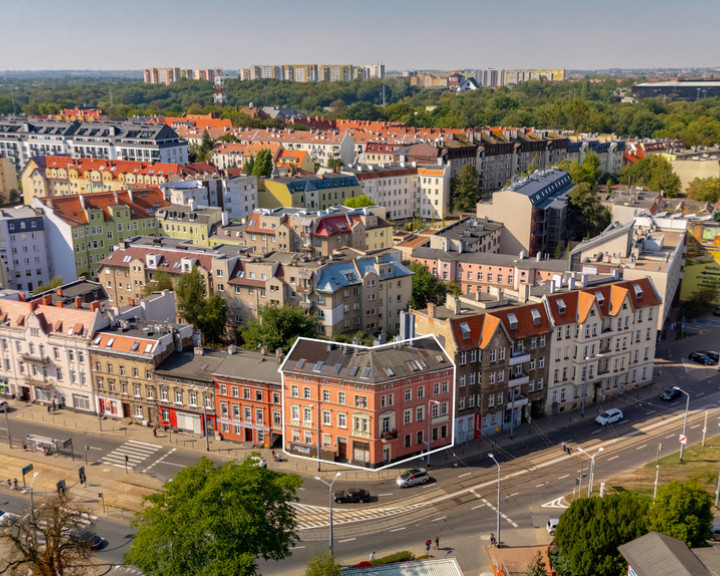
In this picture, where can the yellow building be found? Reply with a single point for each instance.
(181, 222)
(311, 192)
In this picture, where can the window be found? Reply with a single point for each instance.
(178, 397)
(342, 420)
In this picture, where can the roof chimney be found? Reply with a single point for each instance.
(264, 350)
(131, 301)
(431, 310)
(279, 354)
(47, 300)
(59, 304)
(33, 305)
(78, 302)
(22, 297)
(94, 306)
(58, 291)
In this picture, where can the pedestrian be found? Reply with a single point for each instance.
(9, 484)
(54, 403)
(274, 458)
(154, 431)
(437, 543)
(15, 483)
(492, 539)
(372, 555)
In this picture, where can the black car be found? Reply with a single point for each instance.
(700, 358)
(670, 394)
(714, 356)
(352, 495)
(89, 538)
(716, 311)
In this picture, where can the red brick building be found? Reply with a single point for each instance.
(367, 406)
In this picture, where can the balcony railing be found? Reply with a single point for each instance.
(519, 380)
(519, 358)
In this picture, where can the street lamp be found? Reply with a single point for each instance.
(592, 467)
(330, 493)
(30, 490)
(429, 414)
(687, 409)
(497, 529)
(7, 423)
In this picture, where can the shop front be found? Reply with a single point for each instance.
(111, 407)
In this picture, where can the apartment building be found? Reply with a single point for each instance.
(190, 223)
(468, 235)
(311, 192)
(248, 397)
(124, 357)
(434, 192)
(8, 178)
(321, 145)
(23, 249)
(44, 349)
(22, 138)
(395, 187)
(367, 407)
(538, 204)
(62, 175)
(82, 229)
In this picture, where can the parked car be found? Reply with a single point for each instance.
(700, 358)
(90, 538)
(412, 478)
(352, 495)
(7, 518)
(4, 406)
(670, 394)
(552, 525)
(609, 416)
(714, 356)
(715, 532)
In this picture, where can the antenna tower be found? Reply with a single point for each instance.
(219, 97)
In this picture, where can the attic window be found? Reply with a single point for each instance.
(423, 365)
(337, 368)
(353, 370)
(300, 365)
(389, 371)
(350, 276)
(413, 365)
(600, 298)
(561, 306)
(535, 316)
(366, 372)
(319, 366)
(127, 259)
(440, 358)
(110, 342)
(135, 346)
(465, 329)
(638, 291)
(513, 321)
(97, 340)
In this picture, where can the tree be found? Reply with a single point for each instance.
(591, 530)
(335, 163)
(190, 295)
(203, 153)
(278, 327)
(588, 172)
(249, 165)
(425, 287)
(214, 520)
(359, 202)
(161, 280)
(682, 510)
(587, 217)
(537, 567)
(48, 540)
(263, 164)
(54, 282)
(705, 189)
(323, 565)
(701, 302)
(465, 189)
(655, 172)
(214, 318)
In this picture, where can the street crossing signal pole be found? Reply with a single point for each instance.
(126, 463)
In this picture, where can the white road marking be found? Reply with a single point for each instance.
(466, 474)
(540, 485)
(563, 476)
(650, 412)
(699, 394)
(347, 540)
(513, 495)
(297, 548)
(641, 447)
(669, 436)
(598, 431)
(613, 457)
(476, 507)
(397, 529)
(386, 494)
(160, 460)
(438, 519)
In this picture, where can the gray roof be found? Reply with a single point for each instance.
(181, 213)
(614, 230)
(87, 290)
(543, 187)
(368, 365)
(336, 275)
(250, 366)
(469, 228)
(490, 259)
(657, 554)
(191, 366)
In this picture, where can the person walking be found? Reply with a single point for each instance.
(437, 543)
(492, 539)
(372, 555)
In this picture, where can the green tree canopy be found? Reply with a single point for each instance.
(537, 567)
(591, 530)
(323, 565)
(263, 164)
(682, 510)
(161, 280)
(655, 172)
(216, 520)
(425, 287)
(190, 294)
(54, 282)
(278, 327)
(587, 217)
(359, 201)
(203, 152)
(465, 189)
(588, 172)
(335, 162)
(705, 189)
(214, 318)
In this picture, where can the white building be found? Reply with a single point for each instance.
(23, 248)
(392, 186)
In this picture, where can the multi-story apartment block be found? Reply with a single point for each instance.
(22, 139)
(23, 248)
(248, 397)
(63, 175)
(190, 223)
(186, 389)
(44, 351)
(538, 204)
(460, 150)
(468, 235)
(394, 187)
(367, 406)
(169, 76)
(434, 191)
(82, 229)
(311, 192)
(236, 195)
(322, 146)
(490, 77)
(124, 358)
(318, 233)
(380, 152)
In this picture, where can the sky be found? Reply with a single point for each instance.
(402, 34)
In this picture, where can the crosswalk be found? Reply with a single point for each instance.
(135, 451)
(310, 516)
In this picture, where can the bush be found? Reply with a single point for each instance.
(403, 556)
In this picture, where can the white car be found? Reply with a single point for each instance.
(7, 518)
(609, 417)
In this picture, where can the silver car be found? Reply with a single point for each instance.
(412, 478)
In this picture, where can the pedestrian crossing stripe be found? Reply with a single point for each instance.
(135, 451)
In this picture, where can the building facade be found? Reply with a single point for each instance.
(23, 248)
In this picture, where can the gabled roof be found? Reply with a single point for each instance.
(656, 554)
(66, 321)
(119, 342)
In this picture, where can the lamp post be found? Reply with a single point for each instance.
(30, 490)
(497, 528)
(592, 467)
(687, 409)
(330, 493)
(429, 419)
(7, 423)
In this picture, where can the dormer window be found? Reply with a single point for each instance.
(513, 321)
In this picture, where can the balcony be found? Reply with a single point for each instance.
(36, 359)
(389, 435)
(519, 358)
(519, 380)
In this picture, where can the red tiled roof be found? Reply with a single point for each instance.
(124, 343)
(332, 225)
(171, 259)
(52, 318)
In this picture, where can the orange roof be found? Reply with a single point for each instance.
(124, 343)
(66, 320)
(118, 167)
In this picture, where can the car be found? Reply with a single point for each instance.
(714, 356)
(609, 416)
(352, 495)
(552, 525)
(670, 394)
(412, 478)
(715, 529)
(4, 406)
(700, 358)
(90, 538)
(716, 311)
(7, 518)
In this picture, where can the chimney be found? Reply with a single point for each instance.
(225, 218)
(571, 283)
(22, 298)
(58, 291)
(584, 280)
(94, 306)
(78, 302)
(191, 203)
(59, 304)
(47, 300)
(131, 301)
(431, 310)
(279, 354)
(264, 350)
(231, 349)
(524, 292)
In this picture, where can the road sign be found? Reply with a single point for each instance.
(428, 543)
(427, 548)
(27, 469)
(67, 443)
(683, 439)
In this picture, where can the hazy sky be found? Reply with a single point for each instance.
(133, 34)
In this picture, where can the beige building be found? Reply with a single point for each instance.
(8, 178)
(691, 164)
